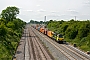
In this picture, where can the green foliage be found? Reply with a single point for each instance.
(88, 39)
(71, 31)
(64, 27)
(2, 21)
(3, 30)
(77, 32)
(10, 32)
(11, 25)
(84, 29)
(10, 13)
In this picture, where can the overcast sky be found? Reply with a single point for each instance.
(52, 9)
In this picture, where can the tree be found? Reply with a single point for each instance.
(31, 21)
(41, 22)
(10, 13)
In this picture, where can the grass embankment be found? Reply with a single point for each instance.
(75, 32)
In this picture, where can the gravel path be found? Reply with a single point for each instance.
(21, 49)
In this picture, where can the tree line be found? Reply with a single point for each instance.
(37, 22)
(11, 29)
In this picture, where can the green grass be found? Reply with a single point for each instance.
(81, 44)
(85, 48)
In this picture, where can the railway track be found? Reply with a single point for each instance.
(33, 49)
(36, 50)
(66, 50)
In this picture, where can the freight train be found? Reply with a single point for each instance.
(57, 37)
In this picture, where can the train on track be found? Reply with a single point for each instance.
(57, 37)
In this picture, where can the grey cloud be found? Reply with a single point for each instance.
(41, 10)
(53, 15)
(73, 12)
(54, 12)
(87, 2)
(29, 10)
(37, 5)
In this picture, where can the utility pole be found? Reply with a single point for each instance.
(75, 18)
(45, 21)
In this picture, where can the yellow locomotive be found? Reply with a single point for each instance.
(58, 37)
